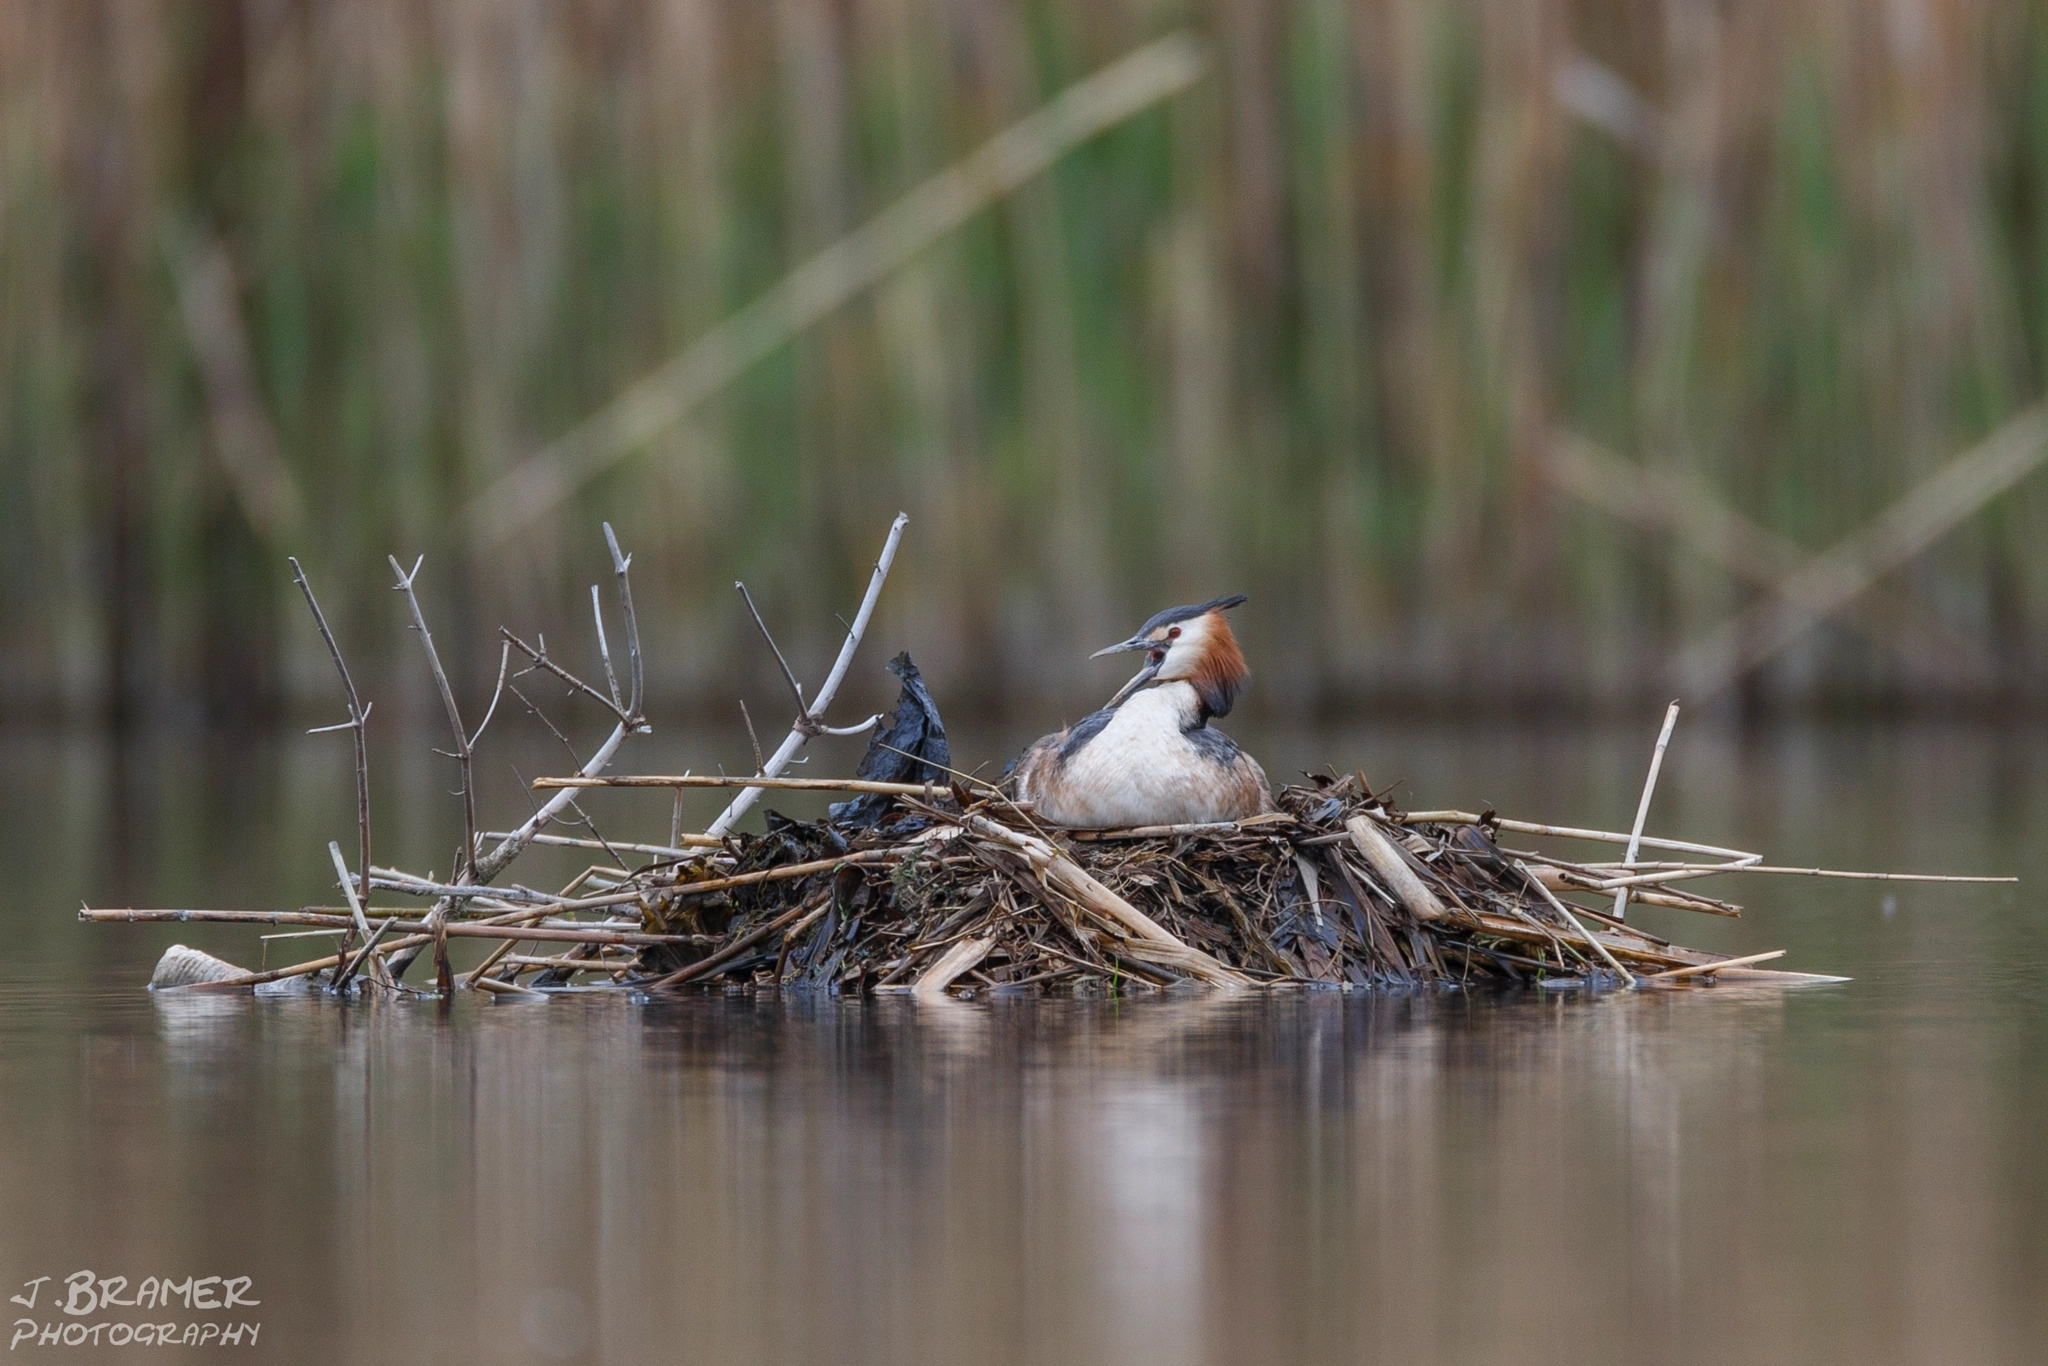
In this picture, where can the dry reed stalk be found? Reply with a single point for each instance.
(1839, 575)
(931, 984)
(684, 846)
(692, 780)
(1666, 502)
(460, 929)
(1392, 866)
(497, 988)
(1560, 879)
(1660, 878)
(1568, 832)
(828, 280)
(1698, 969)
(1635, 834)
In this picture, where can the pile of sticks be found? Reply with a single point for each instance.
(958, 888)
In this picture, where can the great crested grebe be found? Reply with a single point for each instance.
(1150, 757)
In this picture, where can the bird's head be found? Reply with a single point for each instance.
(1191, 643)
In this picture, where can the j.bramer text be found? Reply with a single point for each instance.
(91, 1306)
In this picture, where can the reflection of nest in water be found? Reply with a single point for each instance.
(1335, 889)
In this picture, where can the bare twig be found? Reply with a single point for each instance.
(809, 719)
(796, 689)
(355, 906)
(779, 873)
(361, 924)
(490, 865)
(1635, 834)
(604, 650)
(464, 751)
(358, 715)
(621, 562)
(542, 660)
(752, 739)
(582, 816)
(463, 754)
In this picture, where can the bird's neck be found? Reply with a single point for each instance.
(1213, 682)
(1174, 700)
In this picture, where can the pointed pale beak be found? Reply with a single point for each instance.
(1134, 643)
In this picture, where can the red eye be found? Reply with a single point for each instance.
(1173, 634)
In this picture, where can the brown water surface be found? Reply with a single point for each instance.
(1847, 1174)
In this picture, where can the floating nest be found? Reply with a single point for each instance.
(926, 882)
(1336, 890)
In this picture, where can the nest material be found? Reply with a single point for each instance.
(965, 896)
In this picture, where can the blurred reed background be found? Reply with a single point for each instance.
(303, 276)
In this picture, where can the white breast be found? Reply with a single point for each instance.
(1141, 769)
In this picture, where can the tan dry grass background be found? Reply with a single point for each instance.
(305, 277)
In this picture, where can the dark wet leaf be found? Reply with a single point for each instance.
(912, 750)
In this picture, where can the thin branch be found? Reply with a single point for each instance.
(822, 699)
(504, 660)
(581, 815)
(621, 562)
(541, 660)
(752, 739)
(463, 753)
(362, 926)
(604, 649)
(795, 688)
(1658, 879)
(490, 865)
(358, 715)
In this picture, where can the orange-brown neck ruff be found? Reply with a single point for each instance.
(1219, 673)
